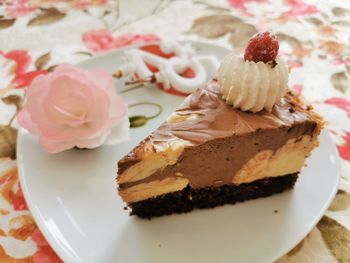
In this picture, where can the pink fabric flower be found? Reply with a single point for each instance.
(102, 40)
(74, 108)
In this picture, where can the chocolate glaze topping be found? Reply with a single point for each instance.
(219, 132)
(217, 119)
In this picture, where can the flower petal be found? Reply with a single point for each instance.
(118, 109)
(51, 146)
(120, 132)
(24, 119)
(69, 108)
(102, 79)
(93, 142)
(36, 95)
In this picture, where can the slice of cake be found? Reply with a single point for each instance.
(241, 137)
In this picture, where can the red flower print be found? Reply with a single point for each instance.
(344, 148)
(298, 88)
(240, 4)
(339, 61)
(18, 202)
(19, 8)
(102, 40)
(332, 47)
(294, 63)
(98, 40)
(45, 253)
(327, 30)
(14, 198)
(298, 8)
(340, 103)
(22, 77)
(83, 4)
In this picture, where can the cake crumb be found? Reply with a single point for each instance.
(275, 211)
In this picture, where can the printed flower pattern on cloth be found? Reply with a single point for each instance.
(103, 40)
(299, 8)
(241, 4)
(338, 123)
(14, 69)
(72, 107)
(343, 143)
(45, 253)
(310, 35)
(21, 226)
(83, 4)
(344, 147)
(19, 8)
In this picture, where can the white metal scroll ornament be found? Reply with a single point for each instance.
(170, 70)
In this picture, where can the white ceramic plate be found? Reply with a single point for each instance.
(73, 198)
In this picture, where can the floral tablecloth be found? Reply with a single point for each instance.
(37, 35)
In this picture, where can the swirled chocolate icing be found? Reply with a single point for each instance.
(221, 139)
(216, 119)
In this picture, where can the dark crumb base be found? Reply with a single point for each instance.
(187, 199)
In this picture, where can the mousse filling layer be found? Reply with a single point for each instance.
(225, 138)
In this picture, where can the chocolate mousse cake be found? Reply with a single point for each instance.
(222, 146)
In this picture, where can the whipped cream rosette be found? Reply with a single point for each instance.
(259, 80)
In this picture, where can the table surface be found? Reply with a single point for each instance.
(314, 39)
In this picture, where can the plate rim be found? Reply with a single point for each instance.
(326, 205)
(67, 256)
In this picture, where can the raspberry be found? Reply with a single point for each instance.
(262, 47)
